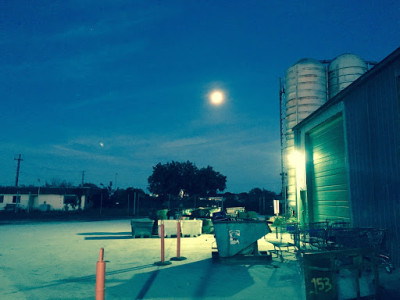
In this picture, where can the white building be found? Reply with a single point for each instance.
(45, 199)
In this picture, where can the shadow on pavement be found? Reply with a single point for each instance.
(108, 238)
(189, 280)
(86, 279)
(106, 235)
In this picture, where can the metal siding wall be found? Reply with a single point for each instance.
(328, 172)
(360, 179)
(373, 145)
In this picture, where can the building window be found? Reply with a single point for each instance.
(1, 198)
(16, 199)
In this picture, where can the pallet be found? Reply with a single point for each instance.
(142, 236)
(182, 236)
(169, 236)
(191, 235)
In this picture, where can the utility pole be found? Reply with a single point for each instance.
(134, 203)
(83, 177)
(128, 203)
(19, 159)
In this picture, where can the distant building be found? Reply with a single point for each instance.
(348, 155)
(42, 198)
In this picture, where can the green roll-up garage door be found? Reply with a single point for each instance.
(326, 172)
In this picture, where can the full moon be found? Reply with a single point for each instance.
(217, 97)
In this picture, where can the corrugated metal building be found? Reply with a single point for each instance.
(348, 155)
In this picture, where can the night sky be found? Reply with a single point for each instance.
(114, 87)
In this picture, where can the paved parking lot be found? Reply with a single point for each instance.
(58, 261)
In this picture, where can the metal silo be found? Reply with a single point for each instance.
(343, 70)
(305, 91)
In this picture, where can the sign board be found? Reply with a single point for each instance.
(276, 207)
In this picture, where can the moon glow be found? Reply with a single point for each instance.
(217, 97)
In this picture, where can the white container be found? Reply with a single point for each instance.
(170, 227)
(191, 227)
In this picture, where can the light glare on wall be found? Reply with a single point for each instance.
(296, 159)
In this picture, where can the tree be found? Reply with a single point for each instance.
(90, 185)
(172, 177)
(108, 195)
(58, 183)
(261, 200)
(209, 181)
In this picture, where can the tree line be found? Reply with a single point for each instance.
(173, 185)
(178, 185)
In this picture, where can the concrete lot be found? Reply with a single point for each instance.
(58, 261)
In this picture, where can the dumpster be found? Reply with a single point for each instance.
(142, 227)
(247, 215)
(232, 212)
(191, 227)
(239, 237)
(162, 214)
(207, 227)
(170, 227)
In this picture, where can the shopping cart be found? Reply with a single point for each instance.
(313, 236)
(373, 238)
